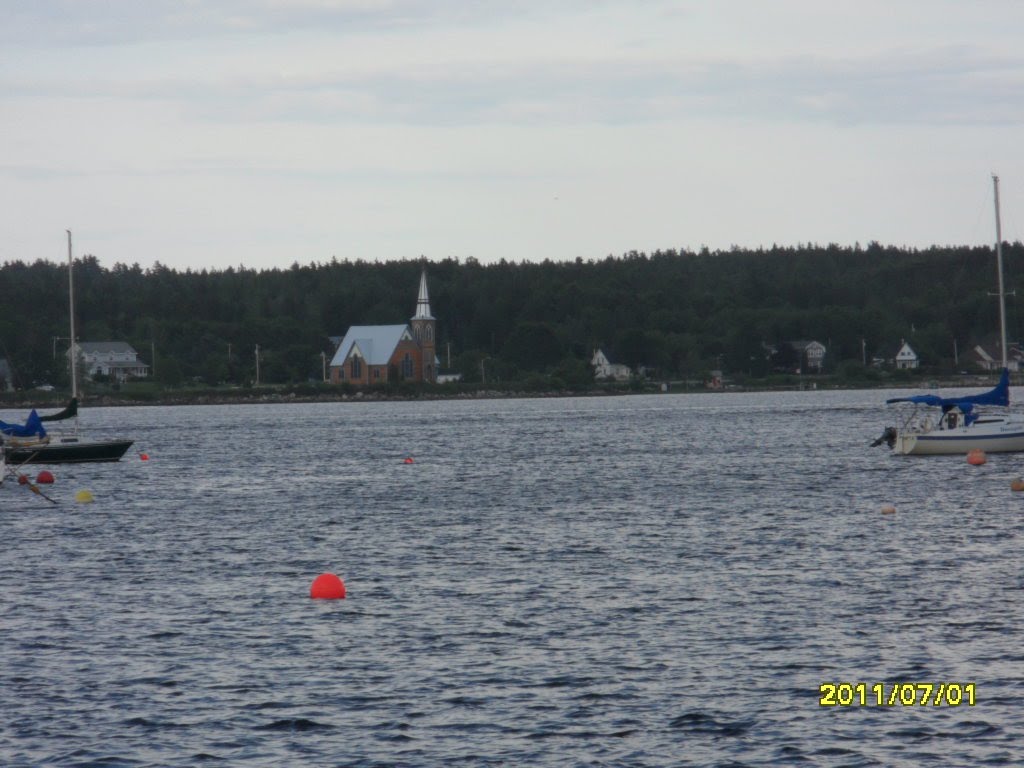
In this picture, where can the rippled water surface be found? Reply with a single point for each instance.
(633, 581)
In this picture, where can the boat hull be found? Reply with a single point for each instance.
(959, 442)
(67, 452)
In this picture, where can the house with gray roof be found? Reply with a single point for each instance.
(376, 354)
(987, 355)
(116, 359)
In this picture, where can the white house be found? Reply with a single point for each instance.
(906, 358)
(116, 359)
(603, 369)
(812, 354)
(988, 357)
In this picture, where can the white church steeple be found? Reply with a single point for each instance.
(424, 331)
(423, 300)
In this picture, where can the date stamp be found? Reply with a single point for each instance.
(897, 694)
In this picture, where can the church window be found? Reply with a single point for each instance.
(357, 367)
(407, 366)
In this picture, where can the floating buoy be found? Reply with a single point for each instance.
(327, 586)
(22, 479)
(44, 477)
(888, 509)
(144, 456)
(1017, 484)
(408, 460)
(976, 457)
(84, 497)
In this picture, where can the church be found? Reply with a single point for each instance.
(376, 354)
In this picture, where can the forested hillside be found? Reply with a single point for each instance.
(680, 313)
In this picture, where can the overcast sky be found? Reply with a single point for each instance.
(216, 133)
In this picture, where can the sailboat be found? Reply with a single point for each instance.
(30, 443)
(962, 424)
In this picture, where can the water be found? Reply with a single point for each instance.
(634, 581)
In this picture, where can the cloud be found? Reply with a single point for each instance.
(397, 127)
(448, 62)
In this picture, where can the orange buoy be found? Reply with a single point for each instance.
(408, 460)
(1017, 484)
(976, 457)
(888, 509)
(44, 477)
(327, 586)
(144, 456)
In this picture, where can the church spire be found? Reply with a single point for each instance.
(423, 300)
(424, 332)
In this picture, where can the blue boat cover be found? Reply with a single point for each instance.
(31, 428)
(998, 396)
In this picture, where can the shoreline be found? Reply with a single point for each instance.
(303, 394)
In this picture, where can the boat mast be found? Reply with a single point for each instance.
(71, 305)
(999, 266)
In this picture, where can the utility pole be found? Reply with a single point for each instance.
(323, 362)
(257, 365)
(152, 356)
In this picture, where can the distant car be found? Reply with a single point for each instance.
(46, 387)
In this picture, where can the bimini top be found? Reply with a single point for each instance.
(998, 396)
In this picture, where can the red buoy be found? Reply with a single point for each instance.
(44, 477)
(327, 586)
(22, 479)
(408, 460)
(144, 456)
(976, 457)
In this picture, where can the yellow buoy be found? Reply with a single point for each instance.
(84, 497)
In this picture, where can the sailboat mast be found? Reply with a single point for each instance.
(999, 266)
(71, 305)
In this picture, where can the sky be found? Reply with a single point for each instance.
(261, 133)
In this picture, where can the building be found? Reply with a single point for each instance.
(906, 357)
(116, 359)
(376, 354)
(987, 355)
(603, 369)
(812, 354)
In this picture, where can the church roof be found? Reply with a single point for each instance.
(376, 343)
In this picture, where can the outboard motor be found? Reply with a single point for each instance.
(887, 436)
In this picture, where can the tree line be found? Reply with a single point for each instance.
(678, 313)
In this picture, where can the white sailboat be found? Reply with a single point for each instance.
(967, 422)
